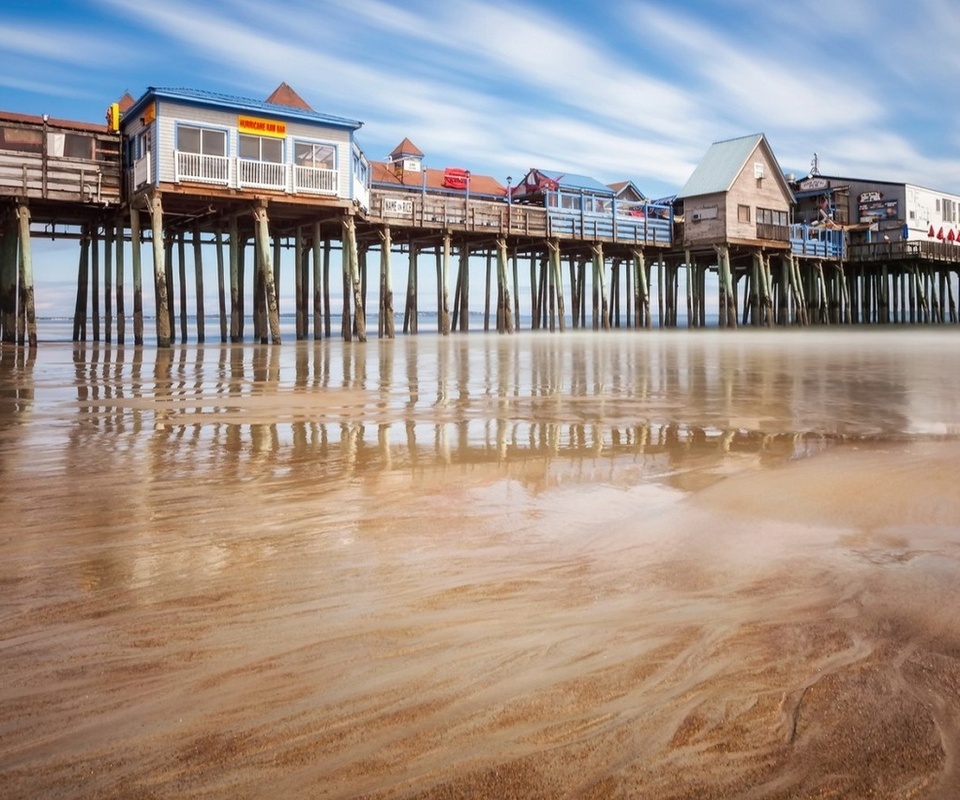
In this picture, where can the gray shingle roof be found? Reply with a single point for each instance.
(720, 167)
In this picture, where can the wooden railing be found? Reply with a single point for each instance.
(773, 233)
(35, 176)
(421, 210)
(910, 250)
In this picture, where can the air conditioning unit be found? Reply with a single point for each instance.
(696, 216)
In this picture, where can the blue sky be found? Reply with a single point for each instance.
(616, 90)
(622, 89)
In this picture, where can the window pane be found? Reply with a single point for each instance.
(23, 139)
(188, 139)
(271, 150)
(214, 143)
(320, 156)
(324, 154)
(249, 146)
(77, 146)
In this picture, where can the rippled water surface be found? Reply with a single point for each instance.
(671, 565)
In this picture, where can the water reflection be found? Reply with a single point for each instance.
(337, 408)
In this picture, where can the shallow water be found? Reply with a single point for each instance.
(684, 564)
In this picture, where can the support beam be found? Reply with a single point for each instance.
(95, 281)
(119, 249)
(317, 283)
(108, 240)
(600, 286)
(182, 273)
(263, 245)
(557, 268)
(9, 260)
(234, 251)
(155, 207)
(221, 287)
(387, 325)
(298, 288)
(83, 276)
(27, 311)
(464, 279)
(444, 316)
(352, 262)
(504, 306)
(410, 306)
(198, 280)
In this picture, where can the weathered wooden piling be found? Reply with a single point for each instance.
(198, 282)
(234, 254)
(135, 258)
(120, 250)
(504, 307)
(9, 236)
(26, 314)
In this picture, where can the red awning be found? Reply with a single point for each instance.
(455, 178)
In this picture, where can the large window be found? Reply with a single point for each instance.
(949, 210)
(261, 148)
(317, 156)
(70, 145)
(769, 216)
(26, 140)
(202, 141)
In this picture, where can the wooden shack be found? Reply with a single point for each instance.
(737, 196)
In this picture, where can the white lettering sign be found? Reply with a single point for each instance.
(812, 184)
(397, 207)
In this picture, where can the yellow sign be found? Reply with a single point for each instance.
(262, 127)
(149, 114)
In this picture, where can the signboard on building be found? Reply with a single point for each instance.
(262, 127)
(399, 208)
(813, 184)
(876, 210)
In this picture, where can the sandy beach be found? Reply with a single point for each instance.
(664, 565)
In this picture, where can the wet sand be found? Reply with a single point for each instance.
(641, 565)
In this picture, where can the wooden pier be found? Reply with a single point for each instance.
(631, 266)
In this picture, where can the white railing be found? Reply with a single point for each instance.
(204, 168)
(361, 193)
(314, 180)
(141, 171)
(241, 173)
(261, 174)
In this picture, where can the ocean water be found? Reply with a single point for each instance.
(641, 564)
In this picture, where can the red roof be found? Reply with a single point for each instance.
(406, 148)
(52, 122)
(284, 95)
(384, 173)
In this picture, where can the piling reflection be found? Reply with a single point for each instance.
(337, 408)
(489, 555)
